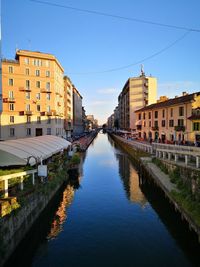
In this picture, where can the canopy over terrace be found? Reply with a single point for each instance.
(17, 152)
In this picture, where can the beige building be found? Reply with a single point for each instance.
(170, 120)
(32, 96)
(78, 126)
(136, 93)
(68, 103)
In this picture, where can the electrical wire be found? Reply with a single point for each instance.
(137, 62)
(116, 16)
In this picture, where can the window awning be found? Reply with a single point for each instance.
(17, 152)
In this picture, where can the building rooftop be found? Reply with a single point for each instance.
(170, 102)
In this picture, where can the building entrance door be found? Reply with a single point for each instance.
(38, 131)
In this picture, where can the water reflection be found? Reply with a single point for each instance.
(130, 179)
(61, 213)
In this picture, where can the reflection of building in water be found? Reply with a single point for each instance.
(130, 180)
(61, 213)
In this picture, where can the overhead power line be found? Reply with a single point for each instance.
(116, 16)
(137, 62)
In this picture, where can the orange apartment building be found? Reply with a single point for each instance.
(32, 96)
(169, 120)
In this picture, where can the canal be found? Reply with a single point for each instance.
(107, 220)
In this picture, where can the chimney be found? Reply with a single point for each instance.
(184, 93)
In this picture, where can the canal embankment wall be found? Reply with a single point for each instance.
(15, 226)
(159, 172)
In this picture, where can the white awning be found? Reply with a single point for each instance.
(17, 152)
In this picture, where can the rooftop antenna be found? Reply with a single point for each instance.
(142, 70)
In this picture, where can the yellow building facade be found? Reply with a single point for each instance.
(172, 120)
(32, 96)
(136, 93)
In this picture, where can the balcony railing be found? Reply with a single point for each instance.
(44, 90)
(49, 113)
(26, 112)
(179, 128)
(25, 89)
(155, 128)
(9, 100)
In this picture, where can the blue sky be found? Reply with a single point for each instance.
(90, 43)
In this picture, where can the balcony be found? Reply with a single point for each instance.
(49, 113)
(155, 128)
(25, 89)
(43, 90)
(9, 100)
(26, 112)
(179, 128)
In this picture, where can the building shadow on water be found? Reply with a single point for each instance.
(143, 190)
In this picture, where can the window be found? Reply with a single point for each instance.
(10, 82)
(196, 126)
(11, 94)
(10, 69)
(180, 122)
(28, 119)
(144, 123)
(149, 123)
(47, 73)
(144, 116)
(48, 108)
(26, 60)
(38, 84)
(28, 95)
(149, 115)
(28, 107)
(49, 120)
(47, 63)
(37, 62)
(171, 123)
(11, 106)
(37, 72)
(28, 131)
(48, 96)
(171, 112)
(12, 131)
(156, 123)
(12, 119)
(139, 116)
(181, 111)
(48, 131)
(163, 123)
(27, 84)
(27, 72)
(156, 114)
(48, 86)
(38, 96)
(38, 119)
(163, 113)
(38, 108)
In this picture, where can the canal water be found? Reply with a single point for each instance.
(106, 219)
